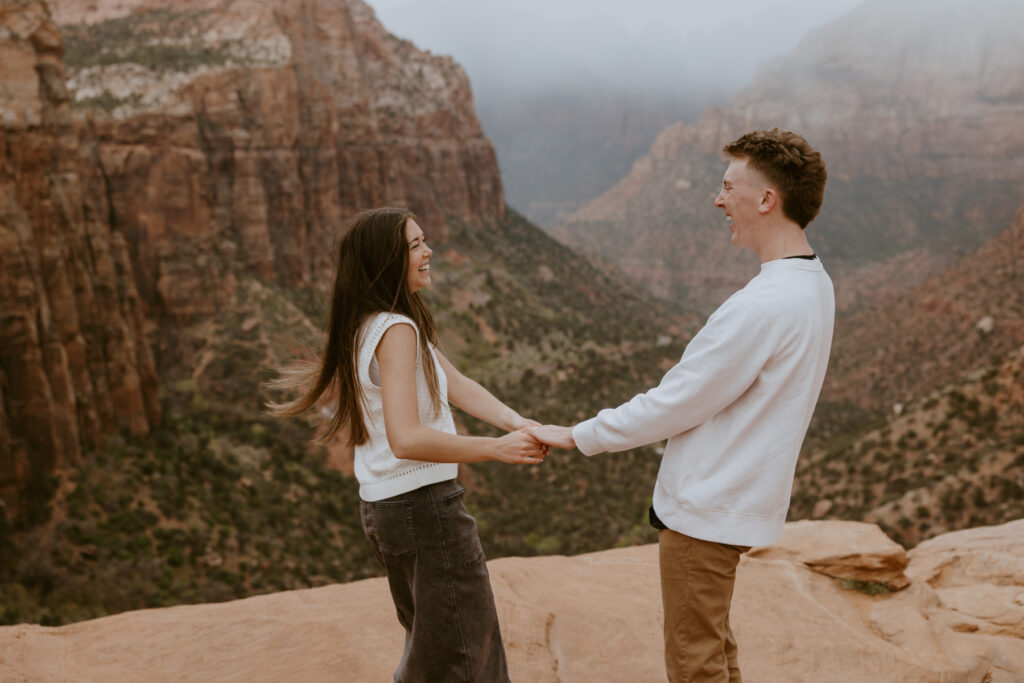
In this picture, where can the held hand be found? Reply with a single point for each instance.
(554, 435)
(519, 448)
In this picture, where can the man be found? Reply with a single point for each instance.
(736, 407)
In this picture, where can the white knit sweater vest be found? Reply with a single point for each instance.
(380, 474)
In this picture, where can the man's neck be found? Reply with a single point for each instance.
(782, 240)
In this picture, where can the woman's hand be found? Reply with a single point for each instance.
(520, 422)
(519, 448)
(553, 435)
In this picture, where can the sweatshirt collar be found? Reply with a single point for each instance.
(791, 263)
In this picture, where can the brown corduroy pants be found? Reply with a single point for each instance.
(697, 579)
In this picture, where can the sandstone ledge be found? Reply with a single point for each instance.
(593, 617)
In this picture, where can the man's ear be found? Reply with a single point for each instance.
(769, 198)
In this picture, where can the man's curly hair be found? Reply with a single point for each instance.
(790, 164)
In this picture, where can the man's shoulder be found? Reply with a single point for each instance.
(781, 293)
(743, 304)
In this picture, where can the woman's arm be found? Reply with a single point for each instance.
(410, 439)
(471, 397)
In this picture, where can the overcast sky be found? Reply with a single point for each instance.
(612, 44)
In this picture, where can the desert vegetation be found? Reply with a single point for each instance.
(221, 501)
(950, 460)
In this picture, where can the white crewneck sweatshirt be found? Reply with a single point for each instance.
(734, 409)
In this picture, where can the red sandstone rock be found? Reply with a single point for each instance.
(851, 550)
(591, 618)
(206, 175)
(252, 164)
(74, 360)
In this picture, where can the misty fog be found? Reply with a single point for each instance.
(649, 45)
(572, 92)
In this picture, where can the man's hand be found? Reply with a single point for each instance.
(554, 435)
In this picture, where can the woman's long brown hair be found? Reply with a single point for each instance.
(372, 276)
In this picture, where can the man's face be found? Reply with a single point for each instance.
(743, 190)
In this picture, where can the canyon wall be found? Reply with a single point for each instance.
(156, 155)
(236, 137)
(74, 359)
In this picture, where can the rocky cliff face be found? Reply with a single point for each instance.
(817, 606)
(201, 145)
(237, 137)
(74, 359)
(916, 107)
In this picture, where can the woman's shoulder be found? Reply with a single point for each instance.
(381, 320)
(376, 324)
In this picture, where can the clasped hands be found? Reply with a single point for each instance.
(533, 440)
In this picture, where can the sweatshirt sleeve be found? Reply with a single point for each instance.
(719, 364)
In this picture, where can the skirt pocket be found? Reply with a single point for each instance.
(390, 523)
(464, 529)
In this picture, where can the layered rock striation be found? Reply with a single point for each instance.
(236, 137)
(597, 617)
(74, 359)
(916, 107)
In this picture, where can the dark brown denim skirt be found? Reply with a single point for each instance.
(437, 572)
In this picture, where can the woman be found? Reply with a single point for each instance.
(389, 388)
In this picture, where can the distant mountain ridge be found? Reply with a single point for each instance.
(916, 107)
(559, 150)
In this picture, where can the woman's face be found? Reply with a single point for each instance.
(419, 257)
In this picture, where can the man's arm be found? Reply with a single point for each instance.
(718, 366)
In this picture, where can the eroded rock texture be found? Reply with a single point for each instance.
(212, 143)
(74, 360)
(238, 136)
